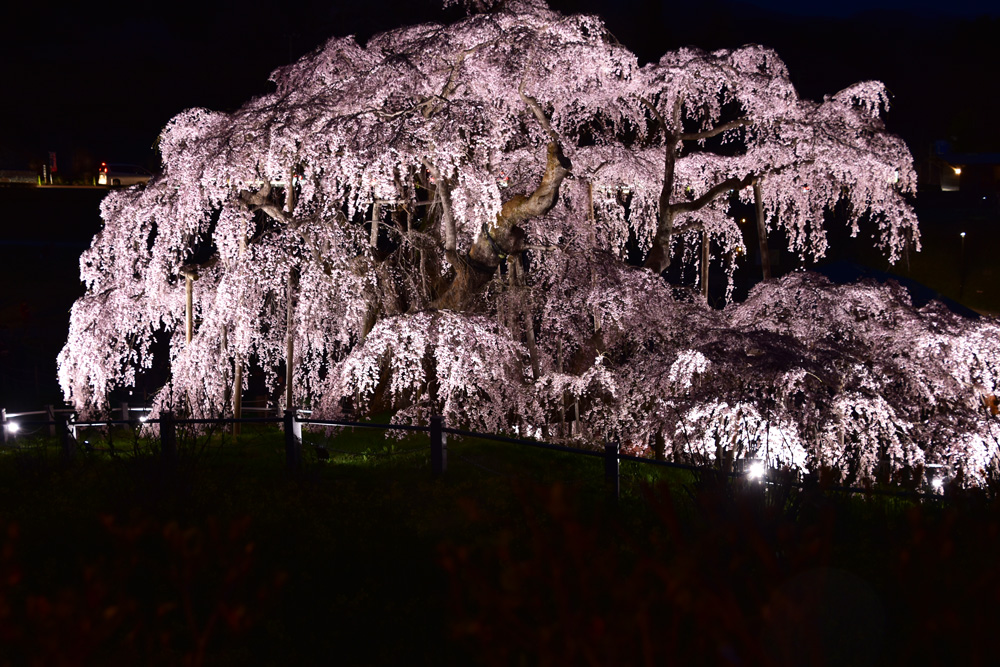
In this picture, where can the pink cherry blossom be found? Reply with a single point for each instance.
(440, 221)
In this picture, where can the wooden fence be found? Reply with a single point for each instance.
(66, 428)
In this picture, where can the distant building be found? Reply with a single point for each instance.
(947, 171)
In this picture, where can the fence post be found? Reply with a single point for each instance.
(293, 441)
(125, 413)
(68, 440)
(439, 446)
(168, 438)
(612, 468)
(50, 414)
(3, 427)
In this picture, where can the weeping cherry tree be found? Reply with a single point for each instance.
(474, 219)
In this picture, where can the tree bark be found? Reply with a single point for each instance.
(765, 256)
(527, 321)
(659, 255)
(658, 258)
(502, 237)
(593, 246)
(290, 341)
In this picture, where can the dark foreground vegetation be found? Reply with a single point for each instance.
(515, 556)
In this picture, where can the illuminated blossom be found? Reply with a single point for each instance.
(447, 220)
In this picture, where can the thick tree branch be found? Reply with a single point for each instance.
(656, 113)
(424, 103)
(659, 256)
(434, 103)
(503, 237)
(261, 201)
(715, 131)
(442, 194)
(536, 109)
(520, 208)
(712, 194)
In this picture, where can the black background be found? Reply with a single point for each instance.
(97, 82)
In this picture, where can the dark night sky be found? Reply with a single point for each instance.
(96, 85)
(845, 8)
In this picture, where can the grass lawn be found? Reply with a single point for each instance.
(514, 556)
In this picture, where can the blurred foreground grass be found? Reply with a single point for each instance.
(515, 556)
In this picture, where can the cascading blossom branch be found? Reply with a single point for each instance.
(448, 220)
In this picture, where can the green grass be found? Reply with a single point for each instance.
(514, 556)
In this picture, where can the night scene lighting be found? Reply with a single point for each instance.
(508, 331)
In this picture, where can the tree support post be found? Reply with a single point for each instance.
(190, 274)
(290, 342)
(68, 441)
(189, 309)
(293, 441)
(168, 438)
(439, 447)
(612, 467)
(50, 415)
(238, 394)
(765, 255)
(238, 364)
(3, 427)
(705, 257)
(227, 389)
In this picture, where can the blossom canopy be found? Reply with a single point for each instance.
(450, 219)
